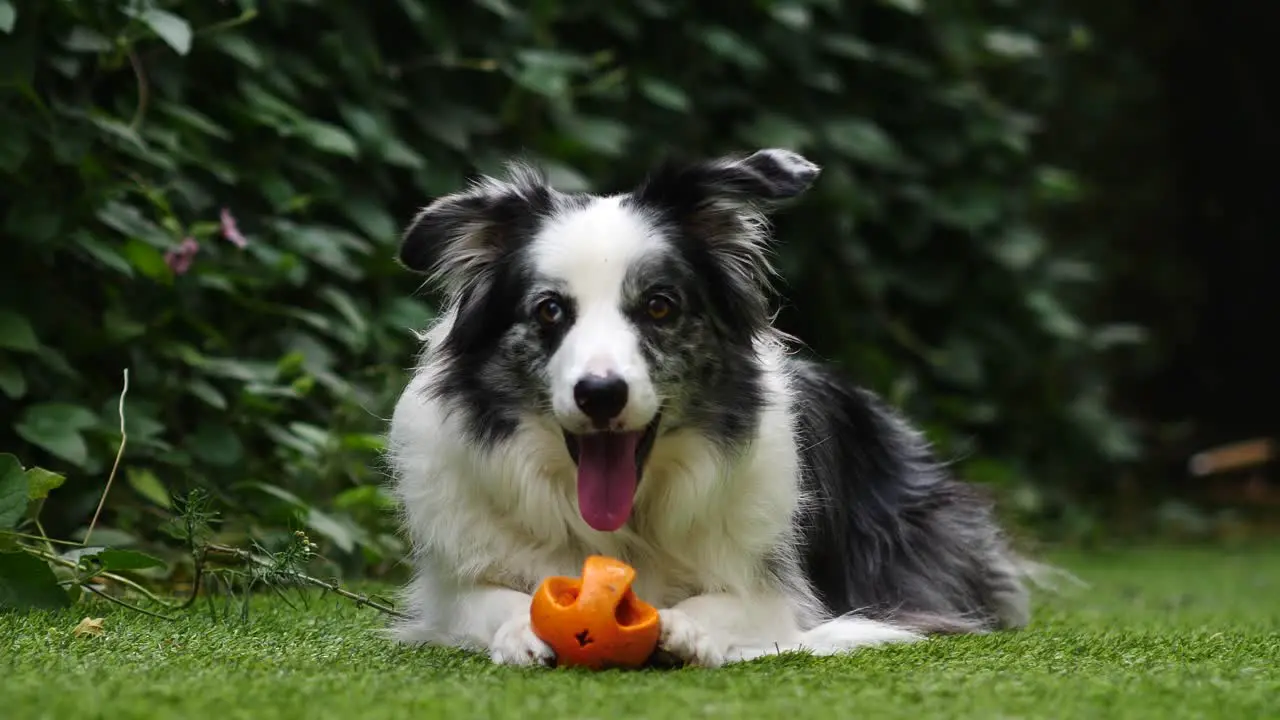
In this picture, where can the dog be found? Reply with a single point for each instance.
(605, 378)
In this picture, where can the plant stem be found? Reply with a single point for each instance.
(124, 440)
(41, 538)
(331, 587)
(124, 604)
(110, 576)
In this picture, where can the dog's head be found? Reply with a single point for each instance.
(610, 315)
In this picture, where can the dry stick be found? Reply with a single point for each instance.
(124, 440)
(359, 599)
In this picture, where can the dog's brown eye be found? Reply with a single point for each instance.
(550, 312)
(659, 307)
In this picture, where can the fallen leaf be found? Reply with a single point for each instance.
(88, 626)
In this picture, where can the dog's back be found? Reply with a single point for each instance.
(890, 534)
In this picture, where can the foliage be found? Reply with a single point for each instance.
(209, 195)
(36, 575)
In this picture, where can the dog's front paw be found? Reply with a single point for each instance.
(684, 638)
(515, 644)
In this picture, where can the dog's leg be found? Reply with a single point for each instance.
(486, 618)
(502, 616)
(713, 629)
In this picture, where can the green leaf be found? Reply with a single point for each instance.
(103, 253)
(849, 46)
(793, 15)
(147, 260)
(149, 486)
(114, 560)
(395, 152)
(240, 48)
(117, 129)
(13, 491)
(278, 492)
(326, 525)
(546, 80)
(664, 94)
(1054, 316)
(317, 520)
(865, 141)
(41, 482)
(8, 16)
(12, 382)
(732, 47)
(372, 219)
(1109, 336)
(606, 137)
(130, 222)
(327, 137)
(57, 427)
(216, 444)
(1011, 44)
(208, 393)
(27, 583)
(86, 40)
(775, 130)
(16, 332)
(172, 29)
(913, 7)
(371, 497)
(1020, 247)
(194, 120)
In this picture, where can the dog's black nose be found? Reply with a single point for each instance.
(601, 397)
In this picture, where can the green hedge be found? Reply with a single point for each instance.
(209, 195)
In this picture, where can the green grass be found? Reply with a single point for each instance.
(1159, 634)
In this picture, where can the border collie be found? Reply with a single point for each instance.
(605, 378)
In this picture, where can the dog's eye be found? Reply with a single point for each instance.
(550, 312)
(660, 307)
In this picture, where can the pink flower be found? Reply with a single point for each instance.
(231, 231)
(179, 259)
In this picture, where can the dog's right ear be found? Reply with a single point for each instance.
(458, 237)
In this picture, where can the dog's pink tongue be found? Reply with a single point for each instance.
(607, 478)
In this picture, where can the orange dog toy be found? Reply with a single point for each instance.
(596, 621)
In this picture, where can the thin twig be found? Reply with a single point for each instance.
(124, 604)
(124, 440)
(27, 536)
(338, 590)
(109, 575)
(198, 561)
(227, 24)
(144, 90)
(48, 544)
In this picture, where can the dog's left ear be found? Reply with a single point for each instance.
(760, 179)
(769, 175)
(718, 207)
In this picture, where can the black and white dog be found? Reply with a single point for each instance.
(605, 379)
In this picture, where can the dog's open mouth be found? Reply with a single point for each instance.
(609, 468)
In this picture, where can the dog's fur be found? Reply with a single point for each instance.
(780, 507)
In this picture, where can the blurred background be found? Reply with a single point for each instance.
(1046, 230)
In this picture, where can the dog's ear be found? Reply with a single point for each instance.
(765, 176)
(718, 208)
(760, 179)
(458, 236)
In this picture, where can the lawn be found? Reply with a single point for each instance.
(1159, 634)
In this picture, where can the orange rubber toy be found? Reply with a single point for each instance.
(596, 621)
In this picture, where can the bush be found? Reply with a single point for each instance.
(209, 195)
